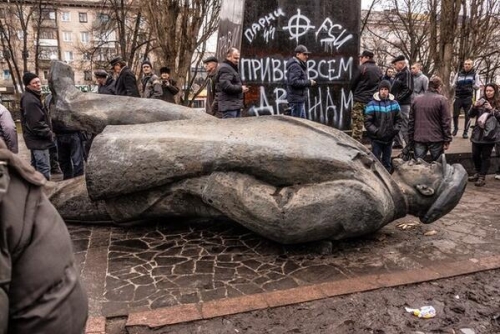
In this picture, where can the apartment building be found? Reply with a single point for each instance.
(71, 31)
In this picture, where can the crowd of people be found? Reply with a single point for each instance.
(405, 109)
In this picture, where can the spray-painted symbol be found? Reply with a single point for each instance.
(298, 25)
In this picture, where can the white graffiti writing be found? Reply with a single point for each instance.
(265, 24)
(321, 107)
(336, 35)
(273, 70)
(298, 25)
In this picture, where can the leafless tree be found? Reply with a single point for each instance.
(190, 24)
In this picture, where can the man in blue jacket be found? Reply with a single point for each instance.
(297, 81)
(383, 122)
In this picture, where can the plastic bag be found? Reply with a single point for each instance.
(424, 312)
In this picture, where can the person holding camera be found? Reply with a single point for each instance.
(486, 132)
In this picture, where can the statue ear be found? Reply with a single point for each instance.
(425, 190)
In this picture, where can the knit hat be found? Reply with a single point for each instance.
(146, 62)
(384, 84)
(27, 77)
(164, 70)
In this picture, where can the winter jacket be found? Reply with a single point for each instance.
(229, 87)
(402, 87)
(365, 83)
(383, 118)
(126, 84)
(169, 90)
(210, 107)
(40, 290)
(108, 87)
(430, 119)
(297, 81)
(151, 87)
(465, 83)
(8, 130)
(478, 132)
(420, 84)
(35, 122)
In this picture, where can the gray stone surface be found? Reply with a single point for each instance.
(288, 179)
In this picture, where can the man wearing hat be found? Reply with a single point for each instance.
(297, 81)
(402, 89)
(106, 83)
(211, 64)
(168, 86)
(35, 122)
(126, 84)
(150, 83)
(363, 85)
(382, 122)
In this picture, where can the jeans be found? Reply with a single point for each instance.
(436, 149)
(298, 109)
(40, 160)
(405, 117)
(481, 156)
(383, 151)
(71, 156)
(461, 103)
(231, 113)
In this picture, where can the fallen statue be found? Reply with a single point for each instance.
(288, 179)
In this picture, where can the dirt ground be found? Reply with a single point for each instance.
(465, 304)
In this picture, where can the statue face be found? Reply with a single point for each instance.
(431, 189)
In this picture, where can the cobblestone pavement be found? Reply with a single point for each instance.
(131, 269)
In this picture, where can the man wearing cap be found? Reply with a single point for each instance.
(298, 81)
(363, 85)
(210, 64)
(150, 83)
(168, 86)
(229, 87)
(383, 122)
(465, 83)
(429, 127)
(35, 122)
(106, 83)
(402, 88)
(126, 84)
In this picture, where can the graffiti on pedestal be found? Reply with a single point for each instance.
(270, 32)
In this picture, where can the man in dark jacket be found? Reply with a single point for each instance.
(35, 122)
(168, 85)
(126, 83)
(230, 88)
(40, 291)
(466, 82)
(383, 122)
(402, 89)
(429, 127)
(105, 81)
(297, 81)
(211, 64)
(363, 85)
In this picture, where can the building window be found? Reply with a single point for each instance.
(87, 75)
(6, 74)
(48, 14)
(47, 34)
(66, 36)
(86, 56)
(103, 18)
(20, 34)
(82, 17)
(68, 56)
(65, 16)
(84, 37)
(46, 75)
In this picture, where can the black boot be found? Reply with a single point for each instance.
(480, 181)
(455, 126)
(474, 177)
